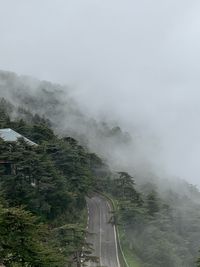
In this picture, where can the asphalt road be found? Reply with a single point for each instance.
(102, 234)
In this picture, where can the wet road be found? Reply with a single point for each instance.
(101, 233)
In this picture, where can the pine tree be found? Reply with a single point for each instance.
(22, 241)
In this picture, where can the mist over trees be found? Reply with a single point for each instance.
(76, 155)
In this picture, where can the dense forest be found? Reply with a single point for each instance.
(43, 207)
(43, 199)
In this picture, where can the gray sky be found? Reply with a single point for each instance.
(134, 60)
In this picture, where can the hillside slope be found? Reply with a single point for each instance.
(159, 220)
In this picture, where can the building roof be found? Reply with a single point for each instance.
(9, 135)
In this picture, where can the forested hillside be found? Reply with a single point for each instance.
(43, 200)
(43, 204)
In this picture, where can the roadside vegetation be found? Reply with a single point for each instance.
(42, 203)
(151, 231)
(42, 210)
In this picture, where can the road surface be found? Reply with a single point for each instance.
(102, 234)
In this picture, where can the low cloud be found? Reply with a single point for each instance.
(133, 62)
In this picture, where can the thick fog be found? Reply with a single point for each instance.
(136, 62)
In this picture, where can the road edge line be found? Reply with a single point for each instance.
(116, 229)
(115, 234)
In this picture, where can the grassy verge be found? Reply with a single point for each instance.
(127, 256)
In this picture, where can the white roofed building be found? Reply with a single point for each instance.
(9, 135)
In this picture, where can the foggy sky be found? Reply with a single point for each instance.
(135, 61)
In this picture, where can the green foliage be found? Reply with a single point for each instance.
(152, 203)
(23, 241)
(154, 229)
(5, 110)
(51, 181)
(35, 183)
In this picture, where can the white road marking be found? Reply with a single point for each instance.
(100, 238)
(119, 243)
(114, 227)
(98, 202)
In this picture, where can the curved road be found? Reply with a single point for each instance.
(101, 233)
